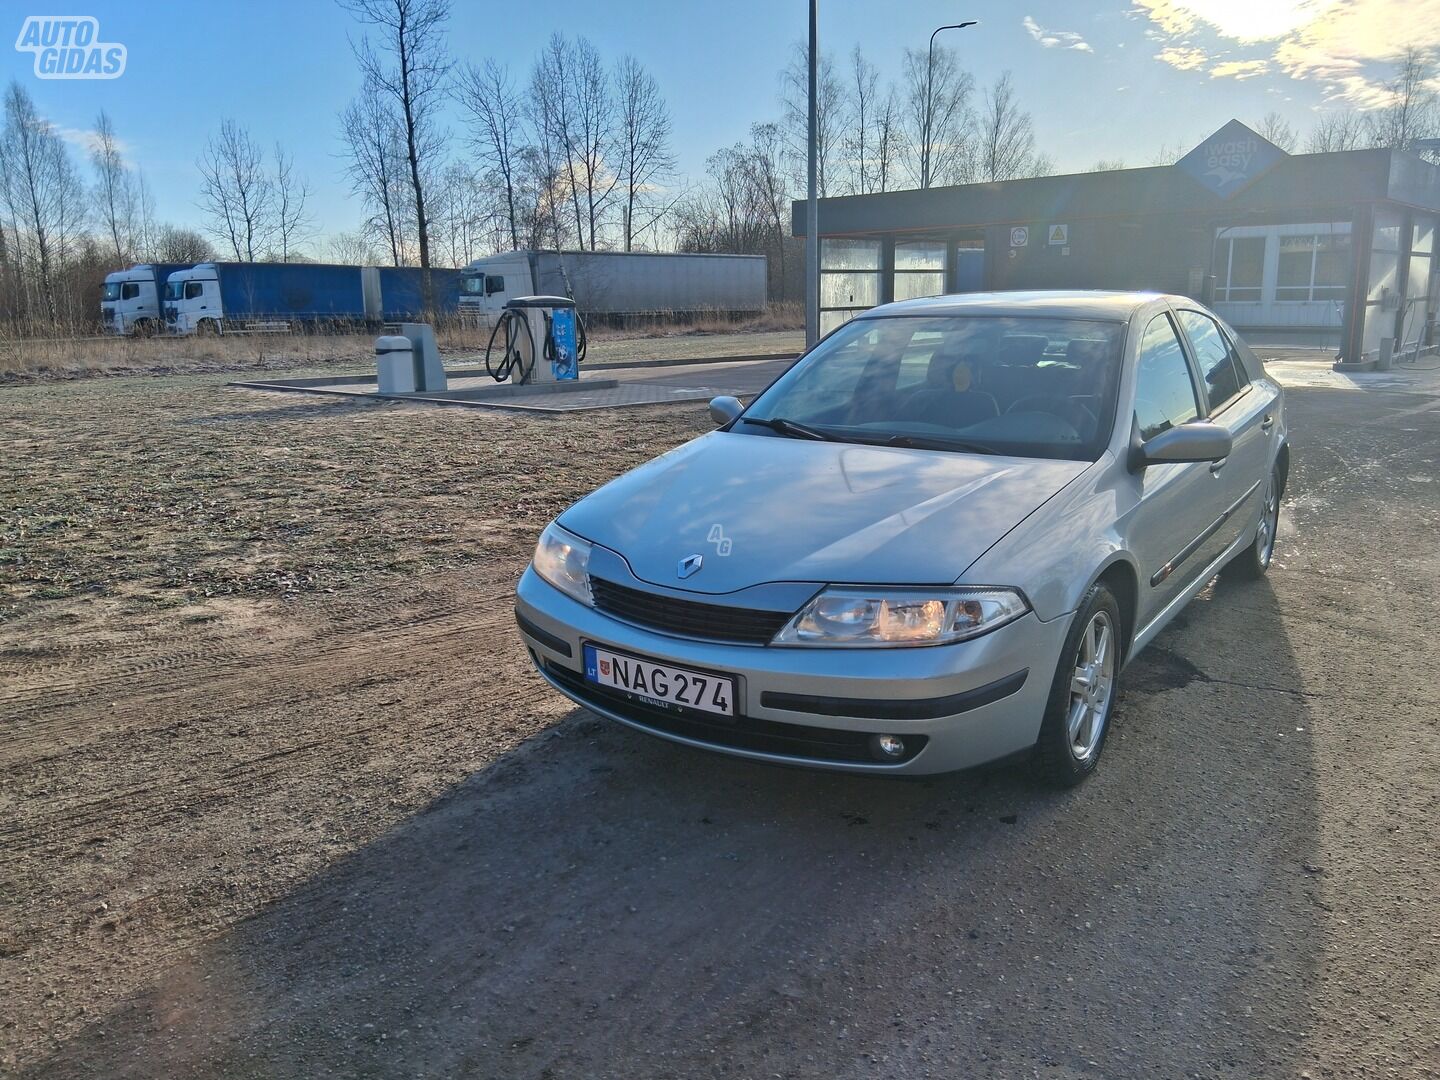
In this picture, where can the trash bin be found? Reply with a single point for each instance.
(395, 364)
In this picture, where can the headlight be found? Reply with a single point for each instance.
(563, 559)
(860, 617)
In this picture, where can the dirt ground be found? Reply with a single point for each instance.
(280, 796)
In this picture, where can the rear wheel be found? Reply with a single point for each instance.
(1252, 563)
(1082, 695)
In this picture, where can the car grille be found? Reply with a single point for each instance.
(686, 618)
(736, 732)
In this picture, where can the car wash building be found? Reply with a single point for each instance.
(1330, 250)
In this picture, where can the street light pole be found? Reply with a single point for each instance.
(930, 99)
(812, 213)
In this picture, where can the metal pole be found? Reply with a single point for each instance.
(925, 153)
(812, 213)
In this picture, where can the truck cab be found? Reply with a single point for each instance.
(130, 301)
(487, 284)
(192, 301)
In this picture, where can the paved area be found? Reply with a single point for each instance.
(1247, 888)
(608, 387)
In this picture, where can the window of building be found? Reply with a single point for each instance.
(1221, 369)
(1239, 268)
(1164, 391)
(849, 280)
(1313, 267)
(919, 268)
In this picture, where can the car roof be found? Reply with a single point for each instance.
(1056, 303)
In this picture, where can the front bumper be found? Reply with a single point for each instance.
(971, 702)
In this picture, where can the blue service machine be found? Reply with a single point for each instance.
(544, 341)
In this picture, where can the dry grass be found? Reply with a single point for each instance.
(32, 359)
(44, 360)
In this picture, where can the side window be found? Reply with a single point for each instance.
(129, 291)
(194, 289)
(1164, 391)
(494, 283)
(1223, 373)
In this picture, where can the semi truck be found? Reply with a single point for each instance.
(616, 285)
(221, 297)
(130, 299)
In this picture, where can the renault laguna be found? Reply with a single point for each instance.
(934, 542)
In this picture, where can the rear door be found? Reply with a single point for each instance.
(1244, 408)
(1175, 503)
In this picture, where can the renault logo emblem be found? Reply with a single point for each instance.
(689, 565)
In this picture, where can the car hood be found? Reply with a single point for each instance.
(761, 509)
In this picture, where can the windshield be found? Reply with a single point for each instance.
(174, 290)
(1026, 385)
(111, 291)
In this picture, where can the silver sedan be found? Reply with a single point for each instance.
(933, 543)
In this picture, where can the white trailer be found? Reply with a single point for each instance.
(617, 284)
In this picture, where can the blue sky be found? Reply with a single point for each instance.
(1112, 79)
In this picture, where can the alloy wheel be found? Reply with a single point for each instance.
(1092, 684)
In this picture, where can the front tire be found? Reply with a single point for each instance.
(1252, 563)
(1082, 695)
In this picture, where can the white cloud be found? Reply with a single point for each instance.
(1055, 39)
(1239, 69)
(1183, 57)
(1346, 46)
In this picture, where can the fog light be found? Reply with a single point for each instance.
(888, 747)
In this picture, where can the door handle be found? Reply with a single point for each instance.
(1268, 422)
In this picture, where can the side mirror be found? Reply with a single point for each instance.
(1199, 441)
(724, 409)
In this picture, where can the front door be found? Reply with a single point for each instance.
(1175, 504)
(1247, 411)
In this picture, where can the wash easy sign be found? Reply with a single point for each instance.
(1230, 160)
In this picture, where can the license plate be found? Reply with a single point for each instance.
(660, 684)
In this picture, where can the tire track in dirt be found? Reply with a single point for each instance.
(337, 669)
(46, 712)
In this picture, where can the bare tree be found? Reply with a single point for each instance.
(38, 189)
(829, 117)
(937, 116)
(864, 87)
(411, 69)
(496, 117)
(375, 164)
(352, 249)
(1107, 165)
(574, 111)
(1276, 129)
(177, 245)
(595, 128)
(1336, 130)
(1411, 112)
(291, 194)
(114, 194)
(645, 155)
(889, 140)
(236, 191)
(1006, 144)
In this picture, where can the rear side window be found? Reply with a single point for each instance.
(1164, 391)
(1224, 375)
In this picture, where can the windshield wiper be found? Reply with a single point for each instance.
(790, 428)
(935, 442)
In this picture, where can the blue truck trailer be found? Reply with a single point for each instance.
(220, 297)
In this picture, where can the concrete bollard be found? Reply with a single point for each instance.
(429, 371)
(395, 364)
